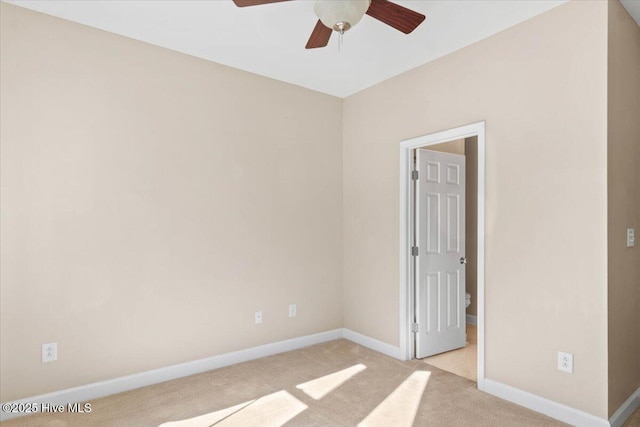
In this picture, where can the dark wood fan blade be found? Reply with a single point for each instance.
(394, 15)
(319, 37)
(243, 3)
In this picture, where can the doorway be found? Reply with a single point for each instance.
(471, 134)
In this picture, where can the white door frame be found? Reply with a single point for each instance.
(407, 288)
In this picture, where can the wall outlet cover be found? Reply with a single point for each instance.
(565, 362)
(49, 352)
(258, 317)
(293, 310)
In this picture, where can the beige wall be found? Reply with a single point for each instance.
(471, 221)
(623, 204)
(151, 202)
(453, 147)
(541, 86)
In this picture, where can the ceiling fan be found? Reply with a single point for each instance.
(340, 15)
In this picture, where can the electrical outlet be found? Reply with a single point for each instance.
(292, 310)
(258, 317)
(49, 352)
(631, 237)
(565, 362)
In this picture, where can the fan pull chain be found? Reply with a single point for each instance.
(340, 41)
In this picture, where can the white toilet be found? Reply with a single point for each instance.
(467, 299)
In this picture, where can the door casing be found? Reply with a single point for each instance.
(407, 268)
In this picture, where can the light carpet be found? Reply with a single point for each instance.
(338, 383)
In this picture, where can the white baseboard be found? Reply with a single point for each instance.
(472, 319)
(548, 407)
(88, 392)
(92, 391)
(625, 411)
(372, 343)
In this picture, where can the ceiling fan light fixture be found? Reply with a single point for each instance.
(340, 15)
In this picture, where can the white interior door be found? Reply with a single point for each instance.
(440, 263)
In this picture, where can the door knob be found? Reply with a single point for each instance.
(463, 260)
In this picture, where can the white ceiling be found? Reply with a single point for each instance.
(270, 39)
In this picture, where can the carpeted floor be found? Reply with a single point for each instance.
(338, 383)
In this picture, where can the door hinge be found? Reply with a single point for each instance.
(415, 328)
(414, 175)
(414, 251)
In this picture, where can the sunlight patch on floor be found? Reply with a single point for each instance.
(207, 419)
(273, 410)
(400, 407)
(320, 387)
